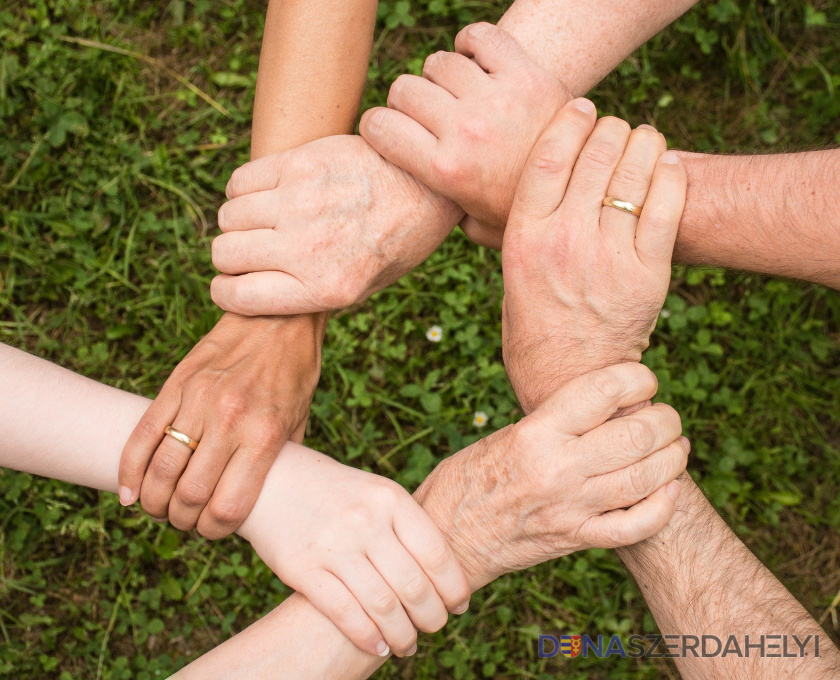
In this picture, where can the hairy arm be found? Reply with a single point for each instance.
(699, 579)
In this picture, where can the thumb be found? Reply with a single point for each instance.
(482, 234)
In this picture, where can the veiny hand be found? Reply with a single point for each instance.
(241, 392)
(321, 227)
(565, 478)
(584, 283)
(359, 548)
(466, 128)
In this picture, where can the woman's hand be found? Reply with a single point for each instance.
(359, 548)
(584, 282)
(565, 478)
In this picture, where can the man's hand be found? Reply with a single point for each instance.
(321, 227)
(242, 392)
(466, 128)
(584, 282)
(565, 478)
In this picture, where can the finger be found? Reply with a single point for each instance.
(263, 294)
(590, 400)
(242, 252)
(597, 163)
(623, 441)
(143, 442)
(428, 547)
(401, 140)
(198, 482)
(380, 603)
(258, 210)
(409, 582)
(482, 234)
(262, 174)
(454, 72)
(645, 519)
(631, 181)
(661, 214)
(332, 598)
(631, 484)
(493, 48)
(545, 176)
(167, 465)
(422, 100)
(237, 490)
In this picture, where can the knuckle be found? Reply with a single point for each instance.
(475, 129)
(549, 157)
(436, 556)
(194, 493)
(359, 517)
(416, 589)
(638, 481)
(631, 174)
(231, 406)
(605, 385)
(450, 169)
(228, 511)
(640, 433)
(165, 465)
(398, 87)
(384, 603)
(345, 608)
(600, 154)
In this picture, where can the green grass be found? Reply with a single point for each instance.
(111, 169)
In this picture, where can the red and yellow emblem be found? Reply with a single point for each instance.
(570, 645)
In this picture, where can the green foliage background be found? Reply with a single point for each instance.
(111, 170)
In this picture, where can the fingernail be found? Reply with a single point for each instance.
(374, 121)
(159, 521)
(461, 608)
(583, 104)
(645, 126)
(412, 651)
(669, 158)
(673, 489)
(686, 443)
(126, 495)
(382, 648)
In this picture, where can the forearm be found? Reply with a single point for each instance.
(699, 579)
(307, 43)
(772, 214)
(581, 41)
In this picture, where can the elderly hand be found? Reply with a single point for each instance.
(241, 392)
(584, 282)
(321, 227)
(565, 478)
(466, 128)
(359, 548)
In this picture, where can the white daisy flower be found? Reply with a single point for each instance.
(434, 334)
(480, 419)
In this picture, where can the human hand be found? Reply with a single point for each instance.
(584, 283)
(321, 227)
(564, 478)
(242, 391)
(465, 128)
(359, 548)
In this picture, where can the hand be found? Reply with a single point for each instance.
(242, 392)
(466, 128)
(359, 548)
(565, 478)
(584, 283)
(321, 227)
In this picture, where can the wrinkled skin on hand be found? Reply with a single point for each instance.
(563, 479)
(322, 227)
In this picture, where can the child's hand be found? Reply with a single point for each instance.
(466, 128)
(359, 548)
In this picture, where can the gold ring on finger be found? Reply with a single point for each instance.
(621, 204)
(181, 437)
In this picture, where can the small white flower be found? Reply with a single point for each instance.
(434, 334)
(665, 313)
(480, 419)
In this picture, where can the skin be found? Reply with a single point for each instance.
(550, 496)
(246, 387)
(284, 193)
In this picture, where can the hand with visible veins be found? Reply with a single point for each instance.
(321, 227)
(465, 128)
(241, 392)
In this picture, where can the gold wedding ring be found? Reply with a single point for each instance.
(181, 437)
(626, 206)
